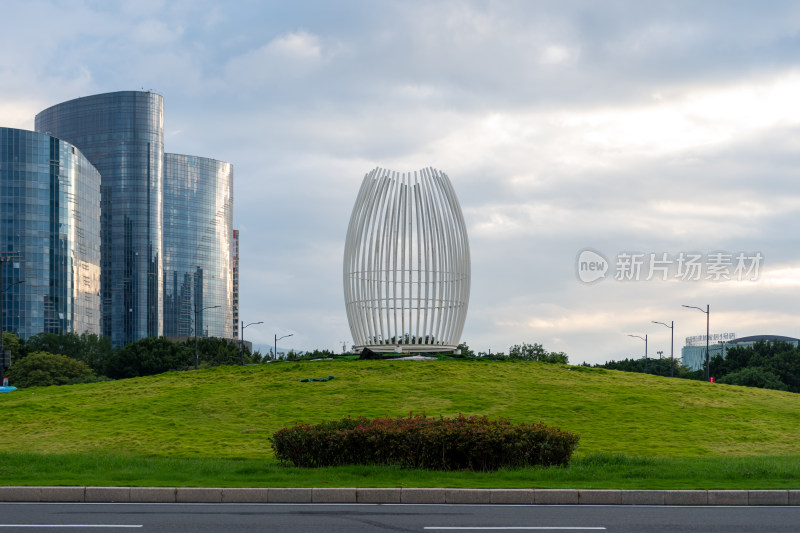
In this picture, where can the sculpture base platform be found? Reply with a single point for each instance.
(408, 348)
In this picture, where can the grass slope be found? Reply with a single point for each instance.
(230, 412)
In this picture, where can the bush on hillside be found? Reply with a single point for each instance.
(213, 351)
(536, 352)
(147, 357)
(87, 348)
(754, 377)
(472, 443)
(42, 369)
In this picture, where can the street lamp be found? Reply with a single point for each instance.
(196, 312)
(645, 349)
(708, 315)
(2, 350)
(242, 346)
(276, 342)
(671, 346)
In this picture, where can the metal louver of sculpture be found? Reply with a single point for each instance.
(406, 263)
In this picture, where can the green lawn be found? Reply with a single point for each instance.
(212, 427)
(593, 471)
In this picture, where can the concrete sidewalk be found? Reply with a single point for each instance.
(398, 495)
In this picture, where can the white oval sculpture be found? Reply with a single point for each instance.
(406, 263)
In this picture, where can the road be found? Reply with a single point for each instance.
(355, 518)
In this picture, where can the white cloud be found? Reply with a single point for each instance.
(555, 54)
(300, 45)
(153, 32)
(292, 55)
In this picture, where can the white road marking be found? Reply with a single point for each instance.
(72, 525)
(517, 528)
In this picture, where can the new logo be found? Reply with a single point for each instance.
(591, 266)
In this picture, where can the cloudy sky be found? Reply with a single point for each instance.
(628, 128)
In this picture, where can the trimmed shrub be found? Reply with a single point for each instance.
(461, 443)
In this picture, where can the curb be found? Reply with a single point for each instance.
(399, 495)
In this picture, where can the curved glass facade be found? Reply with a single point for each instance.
(49, 236)
(198, 246)
(122, 135)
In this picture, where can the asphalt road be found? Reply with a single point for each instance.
(327, 518)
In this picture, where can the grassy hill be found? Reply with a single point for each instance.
(230, 412)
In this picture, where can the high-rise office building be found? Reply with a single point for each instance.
(122, 135)
(49, 236)
(198, 229)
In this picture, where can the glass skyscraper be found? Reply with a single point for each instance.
(198, 247)
(49, 236)
(122, 135)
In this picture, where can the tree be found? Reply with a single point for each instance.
(213, 351)
(658, 367)
(95, 349)
(465, 350)
(536, 352)
(42, 369)
(88, 348)
(754, 377)
(13, 344)
(67, 344)
(778, 358)
(147, 357)
(318, 354)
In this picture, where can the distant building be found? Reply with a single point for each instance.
(167, 221)
(694, 355)
(122, 134)
(198, 230)
(49, 236)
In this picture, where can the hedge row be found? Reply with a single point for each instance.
(473, 443)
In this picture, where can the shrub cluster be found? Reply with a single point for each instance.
(473, 443)
(42, 369)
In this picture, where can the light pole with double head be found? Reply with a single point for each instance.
(242, 338)
(671, 346)
(276, 343)
(645, 349)
(708, 320)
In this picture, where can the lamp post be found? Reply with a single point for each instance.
(645, 349)
(2, 349)
(671, 346)
(276, 342)
(242, 346)
(196, 312)
(708, 314)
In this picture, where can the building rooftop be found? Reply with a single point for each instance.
(765, 338)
